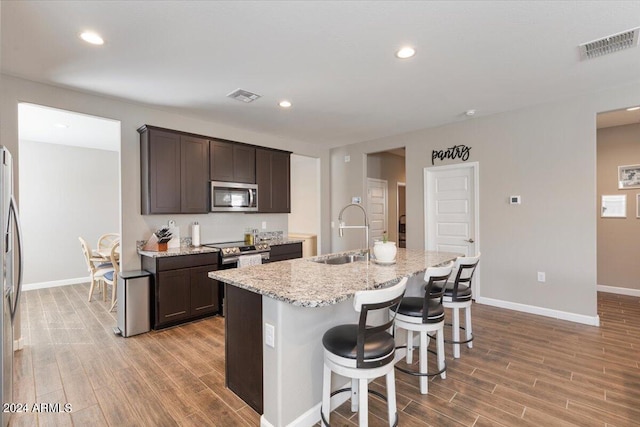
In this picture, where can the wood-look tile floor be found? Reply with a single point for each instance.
(524, 370)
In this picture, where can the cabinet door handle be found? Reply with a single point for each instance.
(175, 314)
(470, 240)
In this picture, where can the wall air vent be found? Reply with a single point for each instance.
(609, 44)
(243, 95)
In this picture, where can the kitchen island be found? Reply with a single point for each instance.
(298, 301)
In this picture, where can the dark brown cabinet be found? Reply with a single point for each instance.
(286, 251)
(182, 288)
(273, 179)
(243, 345)
(232, 162)
(174, 172)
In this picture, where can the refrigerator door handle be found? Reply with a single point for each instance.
(13, 211)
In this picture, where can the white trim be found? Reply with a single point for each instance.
(619, 291)
(312, 416)
(541, 311)
(475, 170)
(55, 283)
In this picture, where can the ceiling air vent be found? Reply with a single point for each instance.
(609, 44)
(243, 95)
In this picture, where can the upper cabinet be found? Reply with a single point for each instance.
(273, 179)
(177, 167)
(174, 172)
(232, 162)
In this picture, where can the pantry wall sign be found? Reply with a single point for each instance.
(456, 152)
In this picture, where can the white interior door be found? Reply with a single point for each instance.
(377, 207)
(451, 210)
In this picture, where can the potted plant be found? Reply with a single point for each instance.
(384, 250)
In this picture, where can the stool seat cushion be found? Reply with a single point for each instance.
(464, 292)
(109, 275)
(413, 306)
(342, 341)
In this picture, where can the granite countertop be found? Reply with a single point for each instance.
(305, 283)
(281, 241)
(182, 250)
(192, 250)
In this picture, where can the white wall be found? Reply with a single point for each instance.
(65, 192)
(544, 153)
(134, 225)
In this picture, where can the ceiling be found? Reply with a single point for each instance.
(50, 125)
(333, 60)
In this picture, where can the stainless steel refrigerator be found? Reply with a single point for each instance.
(11, 260)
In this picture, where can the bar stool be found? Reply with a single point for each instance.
(457, 295)
(424, 315)
(363, 352)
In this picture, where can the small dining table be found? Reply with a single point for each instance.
(104, 255)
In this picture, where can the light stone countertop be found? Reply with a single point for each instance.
(182, 250)
(305, 283)
(192, 250)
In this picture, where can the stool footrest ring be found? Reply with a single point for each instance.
(421, 374)
(458, 342)
(342, 390)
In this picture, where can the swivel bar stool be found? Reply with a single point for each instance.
(424, 315)
(457, 295)
(363, 352)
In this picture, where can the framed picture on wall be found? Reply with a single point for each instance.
(628, 177)
(614, 206)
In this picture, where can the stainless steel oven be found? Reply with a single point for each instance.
(233, 197)
(230, 254)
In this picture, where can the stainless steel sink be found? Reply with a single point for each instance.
(344, 259)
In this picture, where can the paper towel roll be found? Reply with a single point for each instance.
(195, 234)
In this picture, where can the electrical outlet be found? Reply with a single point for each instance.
(270, 335)
(541, 277)
(264, 225)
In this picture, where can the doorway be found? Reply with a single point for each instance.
(304, 219)
(69, 175)
(617, 158)
(402, 214)
(389, 166)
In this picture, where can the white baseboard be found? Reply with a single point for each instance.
(55, 283)
(312, 416)
(541, 311)
(619, 291)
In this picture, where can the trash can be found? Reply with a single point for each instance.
(133, 303)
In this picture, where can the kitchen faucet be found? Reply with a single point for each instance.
(341, 225)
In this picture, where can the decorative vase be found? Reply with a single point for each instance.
(385, 251)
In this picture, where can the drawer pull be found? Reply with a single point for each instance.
(175, 314)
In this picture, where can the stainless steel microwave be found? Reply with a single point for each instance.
(233, 197)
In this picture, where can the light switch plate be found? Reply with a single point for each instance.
(270, 335)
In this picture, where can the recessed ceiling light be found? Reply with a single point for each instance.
(470, 113)
(61, 126)
(285, 104)
(633, 108)
(406, 52)
(91, 37)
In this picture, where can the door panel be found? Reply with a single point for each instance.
(451, 217)
(377, 208)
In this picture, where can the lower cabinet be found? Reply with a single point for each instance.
(182, 289)
(286, 251)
